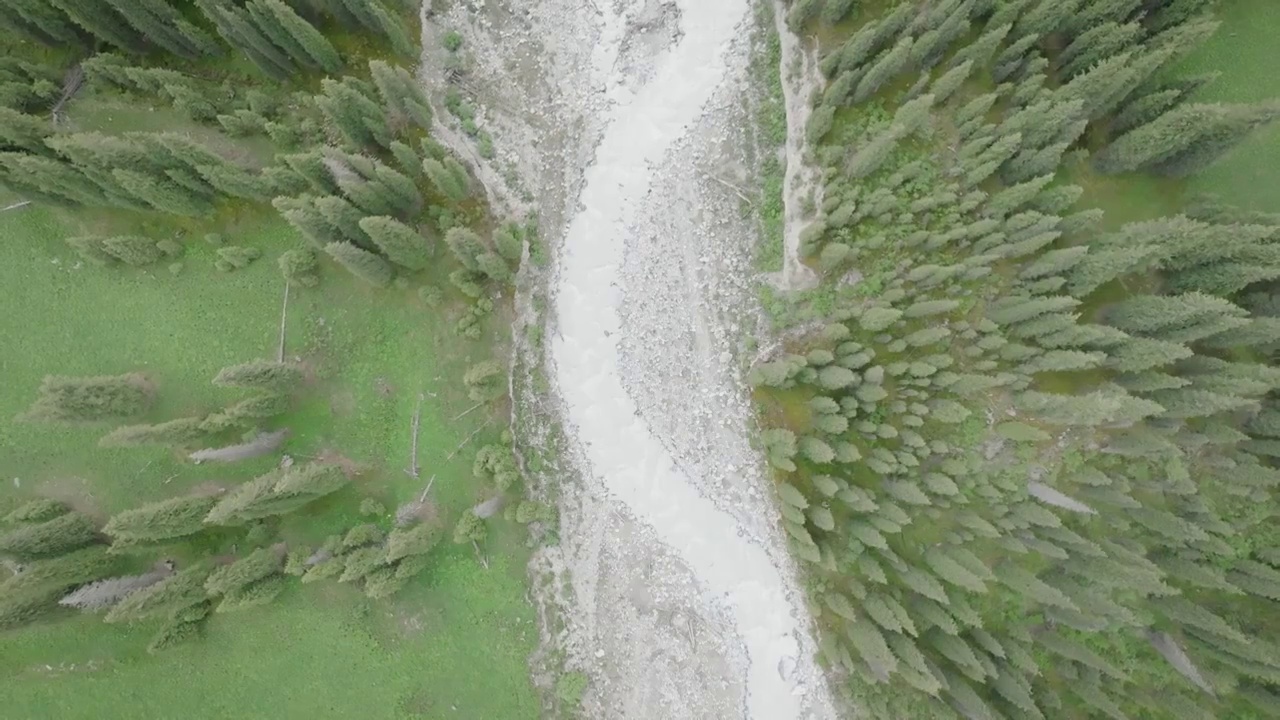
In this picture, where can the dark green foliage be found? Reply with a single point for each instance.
(254, 594)
(132, 250)
(68, 399)
(351, 112)
(164, 520)
(173, 633)
(401, 95)
(50, 537)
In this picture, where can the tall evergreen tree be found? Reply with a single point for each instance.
(362, 263)
(1185, 139)
(91, 398)
(400, 243)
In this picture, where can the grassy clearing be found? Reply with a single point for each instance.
(372, 352)
(1244, 50)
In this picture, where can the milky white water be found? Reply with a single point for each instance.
(734, 572)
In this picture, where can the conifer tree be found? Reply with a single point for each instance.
(163, 195)
(236, 26)
(353, 114)
(100, 20)
(892, 63)
(449, 178)
(261, 375)
(106, 593)
(37, 510)
(183, 589)
(257, 565)
(56, 536)
(401, 94)
(40, 20)
(92, 398)
(1185, 139)
(161, 24)
(160, 521)
(302, 214)
(318, 48)
(170, 433)
(399, 242)
(362, 263)
(132, 250)
(345, 217)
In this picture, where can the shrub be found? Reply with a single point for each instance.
(300, 267)
(235, 257)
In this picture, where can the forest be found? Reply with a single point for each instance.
(1025, 431)
(255, 347)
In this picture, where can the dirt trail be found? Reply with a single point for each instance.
(624, 120)
(800, 79)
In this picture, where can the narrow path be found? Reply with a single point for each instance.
(730, 570)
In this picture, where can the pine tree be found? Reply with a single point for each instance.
(37, 510)
(52, 577)
(55, 536)
(100, 20)
(160, 521)
(163, 195)
(363, 264)
(104, 594)
(181, 590)
(1097, 44)
(417, 540)
(237, 27)
(161, 24)
(359, 119)
(1184, 139)
(401, 94)
(399, 242)
(91, 398)
(40, 20)
(171, 433)
(132, 250)
(317, 48)
(302, 214)
(892, 63)
(345, 217)
(255, 566)
(449, 178)
(254, 594)
(261, 375)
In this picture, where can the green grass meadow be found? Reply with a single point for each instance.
(453, 644)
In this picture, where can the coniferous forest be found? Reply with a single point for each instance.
(1024, 429)
(1029, 451)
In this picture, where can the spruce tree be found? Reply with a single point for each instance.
(100, 20)
(91, 398)
(893, 62)
(400, 243)
(401, 94)
(353, 114)
(1184, 139)
(160, 521)
(56, 536)
(362, 263)
(181, 590)
(170, 433)
(447, 177)
(163, 195)
(318, 48)
(255, 566)
(161, 24)
(261, 375)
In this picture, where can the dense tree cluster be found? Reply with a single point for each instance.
(1036, 468)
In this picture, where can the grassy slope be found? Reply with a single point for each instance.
(458, 636)
(1244, 51)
